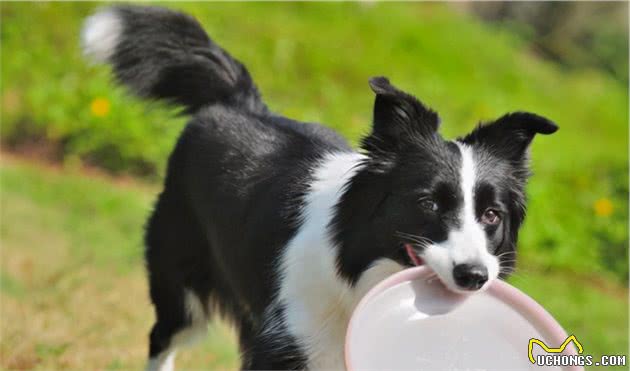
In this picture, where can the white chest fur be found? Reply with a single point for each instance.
(318, 302)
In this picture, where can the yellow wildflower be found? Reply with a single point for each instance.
(100, 107)
(603, 207)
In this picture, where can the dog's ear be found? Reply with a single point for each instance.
(398, 115)
(509, 136)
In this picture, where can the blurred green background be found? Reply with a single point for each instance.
(82, 160)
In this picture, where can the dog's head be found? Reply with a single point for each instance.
(455, 206)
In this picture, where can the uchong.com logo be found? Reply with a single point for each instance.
(556, 357)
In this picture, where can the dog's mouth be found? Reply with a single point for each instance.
(413, 256)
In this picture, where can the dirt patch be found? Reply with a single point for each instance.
(7, 155)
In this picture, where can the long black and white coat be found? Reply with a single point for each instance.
(280, 225)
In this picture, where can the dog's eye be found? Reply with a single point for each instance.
(491, 217)
(428, 204)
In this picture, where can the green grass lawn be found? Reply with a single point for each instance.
(72, 287)
(72, 280)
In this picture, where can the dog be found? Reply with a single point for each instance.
(281, 226)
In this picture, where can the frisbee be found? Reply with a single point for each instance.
(411, 321)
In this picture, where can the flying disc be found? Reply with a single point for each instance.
(411, 321)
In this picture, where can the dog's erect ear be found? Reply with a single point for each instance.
(509, 136)
(398, 115)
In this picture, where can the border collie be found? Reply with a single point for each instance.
(280, 225)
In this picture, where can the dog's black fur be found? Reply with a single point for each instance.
(237, 177)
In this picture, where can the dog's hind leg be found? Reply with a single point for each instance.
(179, 323)
(178, 280)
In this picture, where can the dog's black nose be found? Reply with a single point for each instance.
(470, 276)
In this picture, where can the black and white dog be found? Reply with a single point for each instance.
(280, 225)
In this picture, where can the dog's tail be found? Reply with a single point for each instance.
(163, 54)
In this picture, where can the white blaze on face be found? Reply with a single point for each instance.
(468, 243)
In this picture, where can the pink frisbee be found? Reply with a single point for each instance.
(413, 322)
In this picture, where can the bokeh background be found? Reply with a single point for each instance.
(82, 160)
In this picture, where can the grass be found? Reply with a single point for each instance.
(73, 285)
(72, 288)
